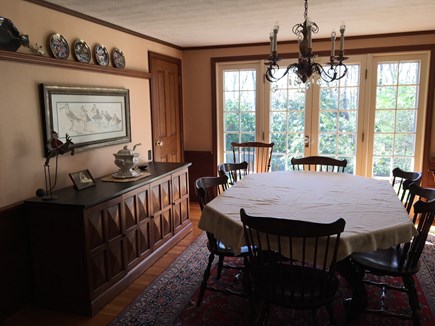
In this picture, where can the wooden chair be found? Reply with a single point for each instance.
(207, 188)
(318, 163)
(258, 155)
(401, 182)
(234, 171)
(415, 193)
(401, 261)
(300, 272)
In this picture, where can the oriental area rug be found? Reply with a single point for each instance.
(170, 299)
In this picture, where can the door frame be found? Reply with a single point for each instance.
(161, 57)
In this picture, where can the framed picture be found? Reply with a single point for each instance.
(92, 117)
(82, 179)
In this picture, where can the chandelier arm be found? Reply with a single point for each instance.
(270, 76)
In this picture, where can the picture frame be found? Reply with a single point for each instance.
(91, 116)
(82, 179)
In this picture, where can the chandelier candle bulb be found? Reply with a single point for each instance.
(275, 38)
(271, 44)
(342, 29)
(333, 37)
(309, 38)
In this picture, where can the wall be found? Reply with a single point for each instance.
(21, 133)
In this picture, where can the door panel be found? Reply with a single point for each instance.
(166, 108)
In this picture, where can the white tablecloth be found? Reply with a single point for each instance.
(375, 217)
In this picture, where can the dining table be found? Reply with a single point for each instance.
(375, 217)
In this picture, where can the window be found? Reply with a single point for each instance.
(370, 117)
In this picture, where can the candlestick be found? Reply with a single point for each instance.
(309, 40)
(333, 37)
(342, 29)
(275, 38)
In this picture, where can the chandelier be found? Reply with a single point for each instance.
(306, 69)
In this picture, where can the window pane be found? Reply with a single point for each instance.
(247, 121)
(231, 101)
(386, 97)
(383, 144)
(407, 98)
(409, 73)
(347, 121)
(382, 167)
(328, 121)
(247, 101)
(295, 145)
(328, 98)
(346, 145)
(231, 80)
(280, 142)
(327, 144)
(387, 73)
(247, 80)
(349, 98)
(384, 120)
(279, 122)
(404, 145)
(232, 122)
(406, 121)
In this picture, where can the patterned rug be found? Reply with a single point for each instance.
(170, 299)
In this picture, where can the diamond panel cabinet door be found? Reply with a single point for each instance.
(105, 240)
(180, 195)
(161, 214)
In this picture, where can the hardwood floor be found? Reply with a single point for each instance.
(34, 316)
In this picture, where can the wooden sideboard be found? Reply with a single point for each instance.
(88, 245)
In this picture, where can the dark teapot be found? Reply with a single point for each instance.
(10, 38)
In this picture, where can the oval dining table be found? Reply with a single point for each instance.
(375, 217)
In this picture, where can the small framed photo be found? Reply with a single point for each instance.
(82, 179)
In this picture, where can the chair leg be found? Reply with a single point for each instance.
(358, 303)
(331, 314)
(205, 279)
(220, 266)
(408, 281)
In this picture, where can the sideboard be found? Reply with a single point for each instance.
(88, 245)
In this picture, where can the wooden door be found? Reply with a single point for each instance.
(166, 108)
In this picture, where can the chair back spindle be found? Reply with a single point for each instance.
(258, 155)
(318, 163)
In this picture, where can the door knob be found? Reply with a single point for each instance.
(307, 141)
(159, 143)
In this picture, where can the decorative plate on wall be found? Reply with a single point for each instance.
(59, 46)
(101, 55)
(82, 51)
(118, 58)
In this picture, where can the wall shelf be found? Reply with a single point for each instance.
(52, 62)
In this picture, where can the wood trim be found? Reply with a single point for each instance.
(428, 162)
(52, 62)
(214, 115)
(358, 37)
(99, 22)
(202, 165)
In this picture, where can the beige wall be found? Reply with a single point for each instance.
(21, 134)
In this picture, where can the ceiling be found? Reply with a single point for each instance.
(192, 23)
